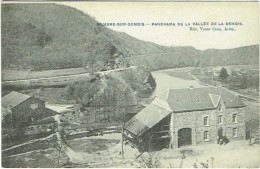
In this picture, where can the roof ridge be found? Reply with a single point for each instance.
(162, 106)
(167, 94)
(18, 93)
(13, 99)
(159, 95)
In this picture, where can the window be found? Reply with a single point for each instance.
(234, 132)
(34, 106)
(220, 119)
(234, 118)
(206, 136)
(206, 121)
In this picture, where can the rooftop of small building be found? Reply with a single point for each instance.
(13, 99)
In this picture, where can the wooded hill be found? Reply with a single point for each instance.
(51, 36)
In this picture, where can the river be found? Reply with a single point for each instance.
(165, 82)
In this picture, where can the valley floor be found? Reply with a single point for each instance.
(105, 150)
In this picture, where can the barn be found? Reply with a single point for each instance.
(189, 116)
(21, 110)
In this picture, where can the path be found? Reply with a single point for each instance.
(101, 91)
(29, 142)
(74, 157)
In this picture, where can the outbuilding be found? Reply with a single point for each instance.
(21, 110)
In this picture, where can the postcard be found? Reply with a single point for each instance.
(130, 84)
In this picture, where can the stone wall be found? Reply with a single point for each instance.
(240, 125)
(37, 129)
(194, 121)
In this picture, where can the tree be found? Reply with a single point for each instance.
(42, 37)
(90, 63)
(243, 82)
(223, 75)
(82, 91)
(256, 83)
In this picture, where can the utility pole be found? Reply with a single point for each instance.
(171, 132)
(212, 160)
(250, 130)
(150, 139)
(122, 142)
(183, 156)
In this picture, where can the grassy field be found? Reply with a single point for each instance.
(243, 79)
(27, 74)
(36, 159)
(92, 145)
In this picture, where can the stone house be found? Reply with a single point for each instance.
(180, 117)
(22, 110)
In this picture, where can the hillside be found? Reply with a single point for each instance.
(51, 36)
(107, 83)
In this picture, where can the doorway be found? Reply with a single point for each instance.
(184, 137)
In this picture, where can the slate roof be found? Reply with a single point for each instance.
(13, 99)
(178, 101)
(204, 98)
(146, 119)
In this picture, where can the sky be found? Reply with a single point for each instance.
(183, 12)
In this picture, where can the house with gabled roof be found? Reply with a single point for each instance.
(188, 116)
(22, 110)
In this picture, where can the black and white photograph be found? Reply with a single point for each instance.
(130, 84)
